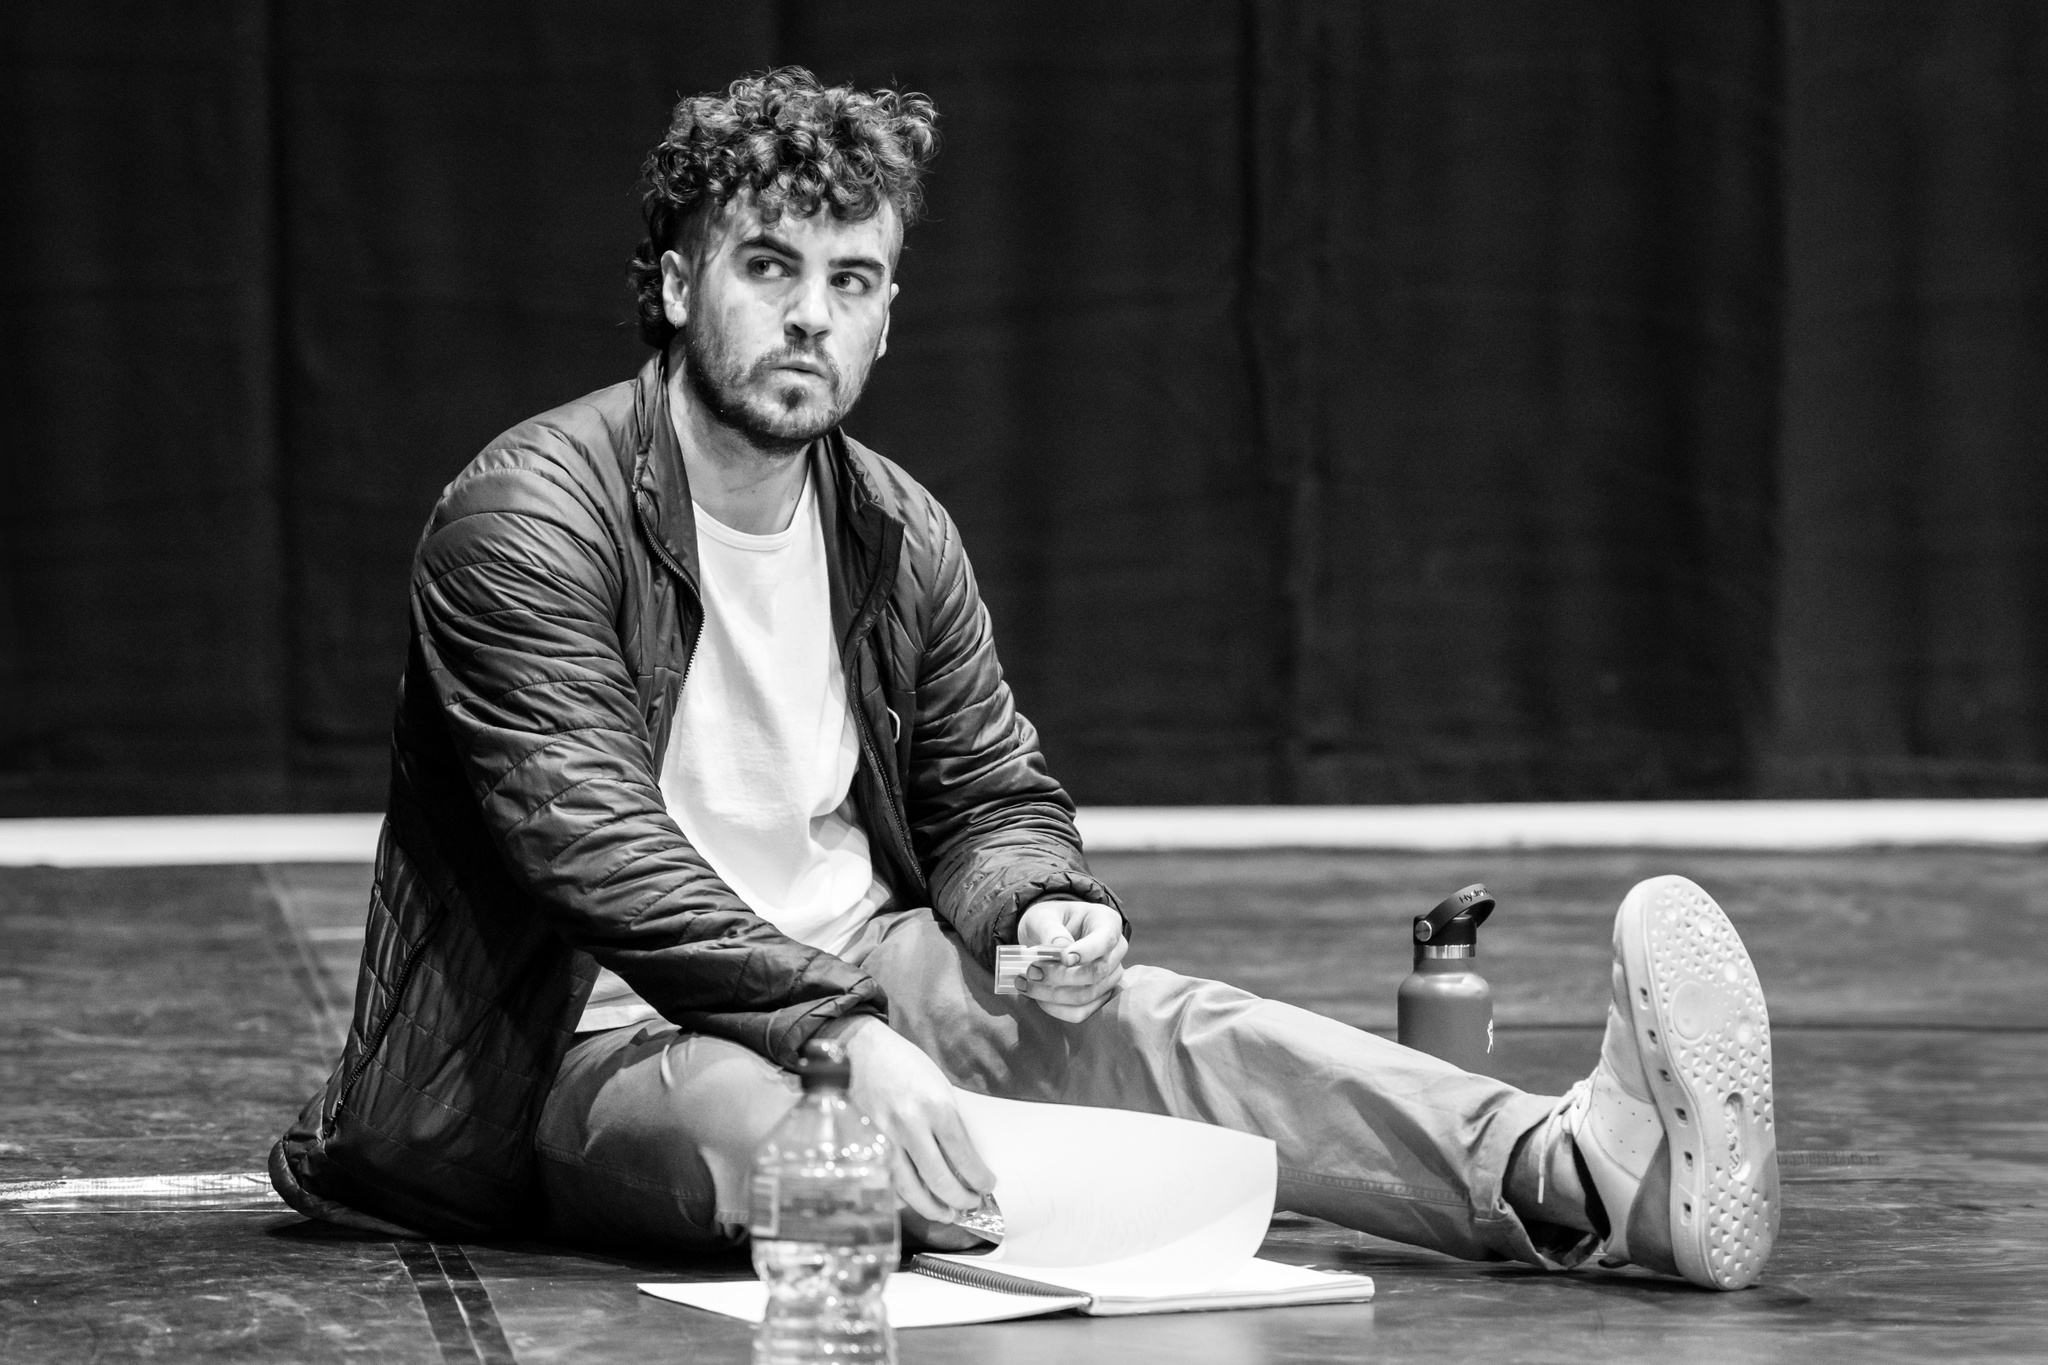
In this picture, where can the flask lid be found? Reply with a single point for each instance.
(825, 1066)
(1456, 918)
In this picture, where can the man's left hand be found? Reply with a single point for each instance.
(1091, 964)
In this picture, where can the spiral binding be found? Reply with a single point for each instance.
(979, 1277)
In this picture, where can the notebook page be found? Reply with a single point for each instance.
(912, 1301)
(1257, 1284)
(1112, 1202)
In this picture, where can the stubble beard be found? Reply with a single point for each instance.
(773, 413)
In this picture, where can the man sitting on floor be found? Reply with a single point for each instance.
(703, 752)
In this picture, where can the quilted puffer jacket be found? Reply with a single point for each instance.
(554, 610)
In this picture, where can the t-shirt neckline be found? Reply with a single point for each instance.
(760, 544)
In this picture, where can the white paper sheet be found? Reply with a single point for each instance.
(1106, 1201)
(1101, 1201)
(1256, 1284)
(913, 1300)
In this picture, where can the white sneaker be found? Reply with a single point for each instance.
(1675, 1124)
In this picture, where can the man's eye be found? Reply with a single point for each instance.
(766, 268)
(854, 284)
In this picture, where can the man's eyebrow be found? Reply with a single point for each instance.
(859, 263)
(773, 243)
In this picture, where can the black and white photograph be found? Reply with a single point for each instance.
(1204, 681)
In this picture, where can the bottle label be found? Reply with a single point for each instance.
(795, 1209)
(766, 1205)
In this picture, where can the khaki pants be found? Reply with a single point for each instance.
(648, 1133)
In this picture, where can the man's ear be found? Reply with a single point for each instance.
(675, 288)
(882, 348)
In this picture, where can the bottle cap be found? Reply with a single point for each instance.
(1456, 918)
(825, 1066)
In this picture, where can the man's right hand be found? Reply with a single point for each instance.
(931, 1159)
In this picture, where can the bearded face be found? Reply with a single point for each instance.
(780, 401)
(783, 319)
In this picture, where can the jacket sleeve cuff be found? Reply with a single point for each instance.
(832, 1030)
(789, 1033)
(1009, 904)
(780, 1035)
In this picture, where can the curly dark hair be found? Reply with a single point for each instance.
(796, 146)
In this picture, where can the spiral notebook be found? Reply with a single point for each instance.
(1103, 1212)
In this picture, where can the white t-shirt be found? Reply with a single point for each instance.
(763, 752)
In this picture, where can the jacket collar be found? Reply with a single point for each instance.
(862, 535)
(661, 486)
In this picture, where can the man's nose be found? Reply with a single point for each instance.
(810, 312)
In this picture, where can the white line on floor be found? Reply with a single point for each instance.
(1762, 825)
(164, 840)
(1790, 825)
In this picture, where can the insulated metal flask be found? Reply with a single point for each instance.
(1446, 1008)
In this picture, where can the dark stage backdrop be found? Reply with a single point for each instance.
(1343, 401)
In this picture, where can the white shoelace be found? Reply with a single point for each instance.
(1574, 1102)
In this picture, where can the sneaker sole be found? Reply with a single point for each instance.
(1705, 1039)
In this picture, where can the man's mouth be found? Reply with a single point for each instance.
(797, 365)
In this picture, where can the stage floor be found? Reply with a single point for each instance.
(168, 1021)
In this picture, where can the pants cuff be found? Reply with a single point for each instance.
(1543, 1245)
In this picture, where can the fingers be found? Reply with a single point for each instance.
(1087, 926)
(1075, 1014)
(1059, 1001)
(1055, 993)
(911, 1189)
(1105, 932)
(1091, 966)
(958, 1149)
(921, 1233)
(1042, 922)
(950, 1173)
(932, 1163)
(1107, 963)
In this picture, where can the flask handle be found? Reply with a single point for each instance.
(1473, 900)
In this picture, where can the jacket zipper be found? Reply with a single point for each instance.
(899, 820)
(898, 826)
(682, 578)
(657, 544)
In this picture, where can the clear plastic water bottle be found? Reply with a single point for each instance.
(823, 1224)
